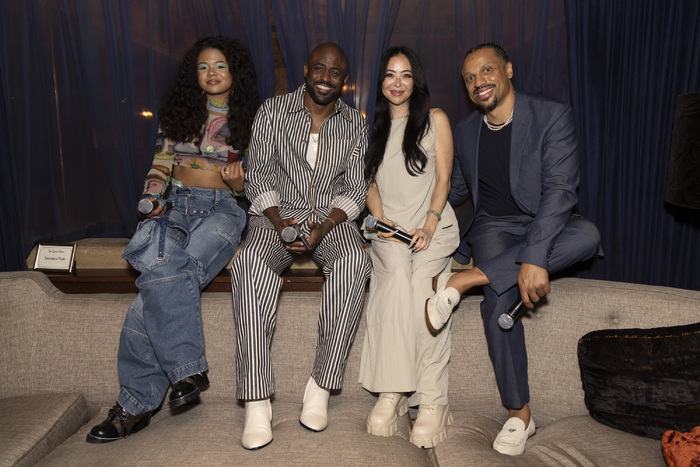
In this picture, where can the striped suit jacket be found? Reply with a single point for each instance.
(279, 175)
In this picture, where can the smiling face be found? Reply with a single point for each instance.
(397, 86)
(325, 73)
(487, 78)
(214, 75)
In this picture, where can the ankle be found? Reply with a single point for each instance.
(523, 414)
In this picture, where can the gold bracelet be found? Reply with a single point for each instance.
(330, 219)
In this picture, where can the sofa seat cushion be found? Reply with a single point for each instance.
(34, 425)
(570, 441)
(209, 433)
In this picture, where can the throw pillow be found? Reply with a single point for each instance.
(643, 381)
(682, 449)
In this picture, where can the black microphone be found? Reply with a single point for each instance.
(376, 224)
(507, 320)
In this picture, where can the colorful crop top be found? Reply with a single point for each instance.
(212, 153)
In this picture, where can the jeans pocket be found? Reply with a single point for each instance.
(215, 240)
(147, 250)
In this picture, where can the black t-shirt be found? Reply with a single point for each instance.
(494, 172)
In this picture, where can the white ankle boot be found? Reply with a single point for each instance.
(383, 420)
(314, 413)
(430, 427)
(257, 429)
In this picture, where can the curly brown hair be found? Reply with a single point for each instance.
(184, 112)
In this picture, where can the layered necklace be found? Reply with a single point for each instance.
(500, 126)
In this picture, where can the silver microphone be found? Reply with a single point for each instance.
(146, 206)
(292, 233)
(507, 320)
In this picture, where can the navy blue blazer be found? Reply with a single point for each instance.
(544, 171)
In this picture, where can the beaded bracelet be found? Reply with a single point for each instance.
(430, 211)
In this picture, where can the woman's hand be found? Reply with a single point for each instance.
(385, 235)
(232, 174)
(421, 238)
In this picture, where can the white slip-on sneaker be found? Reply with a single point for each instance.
(438, 308)
(513, 436)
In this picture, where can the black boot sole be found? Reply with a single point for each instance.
(186, 399)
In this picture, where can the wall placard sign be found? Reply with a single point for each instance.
(55, 258)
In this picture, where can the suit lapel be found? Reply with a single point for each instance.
(521, 128)
(472, 137)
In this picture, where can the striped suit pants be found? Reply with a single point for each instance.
(256, 282)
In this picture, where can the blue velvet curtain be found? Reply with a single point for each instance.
(628, 62)
(361, 27)
(77, 76)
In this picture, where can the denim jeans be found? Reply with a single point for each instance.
(178, 254)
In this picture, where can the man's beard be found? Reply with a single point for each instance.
(322, 100)
(490, 106)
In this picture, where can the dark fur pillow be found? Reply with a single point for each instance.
(643, 381)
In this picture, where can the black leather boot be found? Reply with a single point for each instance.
(187, 389)
(119, 424)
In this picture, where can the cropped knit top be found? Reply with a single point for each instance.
(211, 154)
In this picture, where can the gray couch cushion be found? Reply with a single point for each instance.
(210, 434)
(34, 425)
(571, 441)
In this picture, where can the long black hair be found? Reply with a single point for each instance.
(417, 124)
(184, 111)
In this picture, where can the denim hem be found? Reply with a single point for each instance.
(188, 369)
(130, 403)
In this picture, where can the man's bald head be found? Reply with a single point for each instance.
(325, 49)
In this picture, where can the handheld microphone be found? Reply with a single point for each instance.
(292, 233)
(146, 206)
(376, 224)
(507, 320)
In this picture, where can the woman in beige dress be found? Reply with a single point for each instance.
(408, 162)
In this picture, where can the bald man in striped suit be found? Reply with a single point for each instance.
(306, 171)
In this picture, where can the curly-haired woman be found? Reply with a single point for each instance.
(191, 230)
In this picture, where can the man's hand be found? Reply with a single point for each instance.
(533, 282)
(318, 231)
(297, 246)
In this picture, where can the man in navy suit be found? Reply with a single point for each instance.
(518, 159)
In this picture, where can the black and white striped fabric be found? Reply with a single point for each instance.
(279, 174)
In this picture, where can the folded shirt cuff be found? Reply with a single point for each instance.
(264, 201)
(347, 205)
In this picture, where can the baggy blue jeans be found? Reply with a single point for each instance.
(178, 254)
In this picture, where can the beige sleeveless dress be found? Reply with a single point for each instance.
(399, 353)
